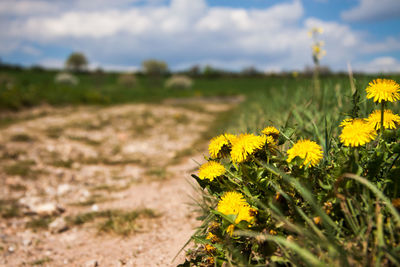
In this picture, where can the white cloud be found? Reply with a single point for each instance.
(380, 65)
(25, 7)
(370, 10)
(187, 32)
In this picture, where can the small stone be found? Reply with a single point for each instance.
(47, 209)
(58, 225)
(63, 188)
(95, 207)
(92, 263)
(26, 242)
(11, 249)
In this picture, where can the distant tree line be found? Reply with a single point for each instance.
(78, 62)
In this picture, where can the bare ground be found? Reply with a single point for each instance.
(90, 186)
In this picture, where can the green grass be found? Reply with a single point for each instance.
(41, 261)
(21, 138)
(9, 208)
(40, 223)
(114, 221)
(32, 88)
(23, 168)
(93, 199)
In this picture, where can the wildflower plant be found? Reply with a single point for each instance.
(317, 54)
(276, 198)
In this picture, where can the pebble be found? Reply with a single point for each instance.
(58, 225)
(92, 263)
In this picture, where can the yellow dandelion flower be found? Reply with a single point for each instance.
(383, 90)
(273, 232)
(271, 142)
(219, 145)
(230, 229)
(209, 248)
(233, 203)
(345, 122)
(308, 150)
(211, 170)
(212, 237)
(316, 49)
(210, 260)
(317, 220)
(271, 130)
(390, 120)
(245, 145)
(357, 133)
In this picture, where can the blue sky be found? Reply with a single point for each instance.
(231, 34)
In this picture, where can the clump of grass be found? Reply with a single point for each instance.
(23, 168)
(85, 140)
(114, 221)
(41, 261)
(40, 223)
(109, 161)
(270, 197)
(111, 188)
(157, 173)
(93, 199)
(9, 208)
(18, 187)
(54, 132)
(181, 118)
(21, 138)
(62, 163)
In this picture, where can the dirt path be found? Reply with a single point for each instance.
(101, 186)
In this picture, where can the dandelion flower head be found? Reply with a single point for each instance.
(233, 203)
(271, 130)
(357, 133)
(383, 90)
(345, 122)
(220, 144)
(308, 150)
(390, 120)
(245, 145)
(211, 170)
(212, 237)
(209, 248)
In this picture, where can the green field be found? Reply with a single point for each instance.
(269, 99)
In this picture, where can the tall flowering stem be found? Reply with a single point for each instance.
(317, 54)
(382, 117)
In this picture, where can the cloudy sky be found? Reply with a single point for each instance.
(268, 34)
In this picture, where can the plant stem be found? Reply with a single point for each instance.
(382, 117)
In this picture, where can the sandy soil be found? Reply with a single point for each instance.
(57, 164)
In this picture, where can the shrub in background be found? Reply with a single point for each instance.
(127, 80)
(66, 78)
(154, 67)
(179, 82)
(76, 62)
(6, 80)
